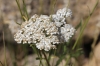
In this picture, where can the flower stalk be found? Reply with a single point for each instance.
(46, 58)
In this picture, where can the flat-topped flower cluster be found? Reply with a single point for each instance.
(46, 31)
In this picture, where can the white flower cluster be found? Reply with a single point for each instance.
(46, 31)
(65, 30)
(60, 16)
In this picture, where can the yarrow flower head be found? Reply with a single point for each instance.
(66, 32)
(45, 32)
(40, 31)
(60, 16)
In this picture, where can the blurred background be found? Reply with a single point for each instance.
(15, 53)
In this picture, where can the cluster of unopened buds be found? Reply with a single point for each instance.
(46, 31)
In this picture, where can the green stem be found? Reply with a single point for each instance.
(25, 9)
(67, 5)
(46, 58)
(67, 61)
(25, 51)
(4, 49)
(36, 51)
(40, 57)
(54, 58)
(19, 8)
(40, 7)
(83, 27)
(49, 57)
(52, 6)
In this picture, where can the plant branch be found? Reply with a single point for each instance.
(84, 25)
